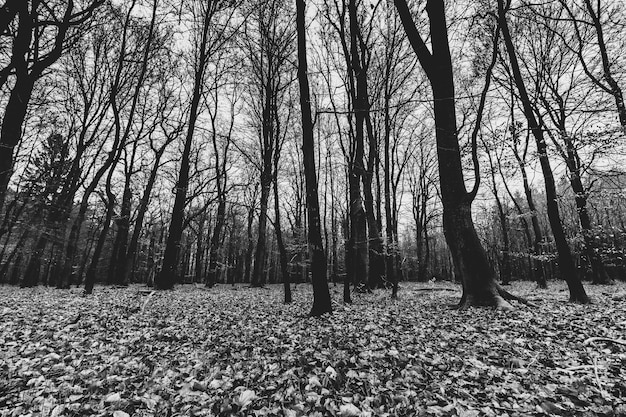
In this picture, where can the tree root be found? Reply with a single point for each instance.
(500, 304)
(510, 297)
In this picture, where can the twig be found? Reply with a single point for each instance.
(595, 373)
(573, 369)
(604, 339)
(145, 303)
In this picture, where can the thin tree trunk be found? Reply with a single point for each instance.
(592, 251)
(199, 264)
(566, 262)
(282, 251)
(258, 275)
(607, 65)
(141, 214)
(321, 294)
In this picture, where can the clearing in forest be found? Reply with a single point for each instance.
(241, 352)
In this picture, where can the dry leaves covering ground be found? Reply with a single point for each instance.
(242, 352)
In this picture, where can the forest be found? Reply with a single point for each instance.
(293, 166)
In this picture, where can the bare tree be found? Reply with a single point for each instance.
(566, 262)
(321, 294)
(40, 33)
(211, 30)
(470, 259)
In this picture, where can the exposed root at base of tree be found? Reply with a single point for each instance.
(511, 297)
(498, 303)
(317, 311)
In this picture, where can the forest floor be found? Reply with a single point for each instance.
(240, 351)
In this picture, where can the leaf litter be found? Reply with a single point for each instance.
(241, 352)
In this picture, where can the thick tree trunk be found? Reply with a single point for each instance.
(168, 276)
(469, 257)
(11, 130)
(321, 294)
(356, 169)
(566, 262)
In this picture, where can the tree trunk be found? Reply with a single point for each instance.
(199, 264)
(117, 265)
(141, 214)
(90, 277)
(592, 252)
(248, 258)
(33, 267)
(321, 294)
(282, 251)
(469, 257)
(258, 275)
(11, 130)
(538, 272)
(505, 271)
(566, 262)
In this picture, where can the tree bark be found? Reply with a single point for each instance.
(282, 251)
(468, 255)
(321, 293)
(168, 276)
(566, 262)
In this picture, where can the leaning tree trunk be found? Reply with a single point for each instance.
(90, 277)
(321, 294)
(566, 262)
(11, 130)
(141, 214)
